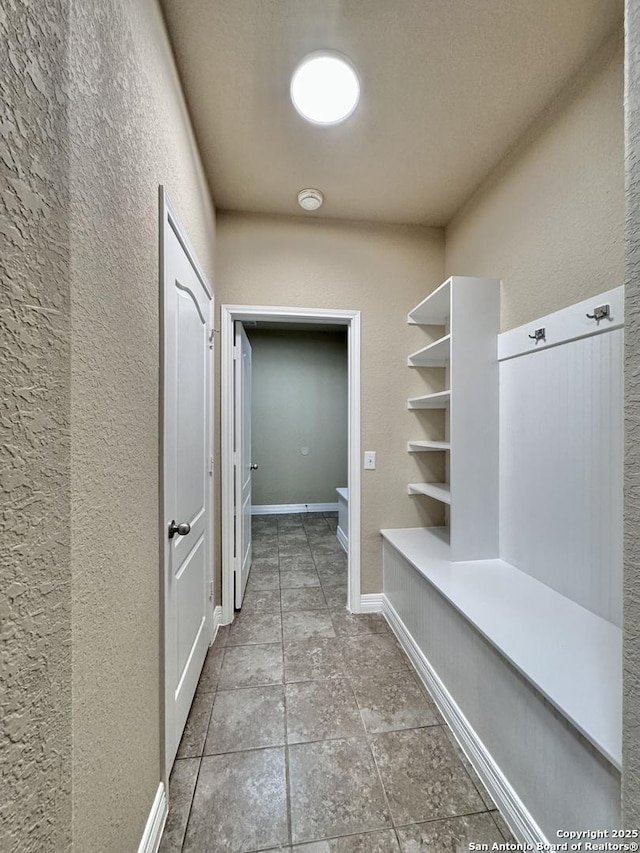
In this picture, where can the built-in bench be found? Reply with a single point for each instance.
(572, 656)
(530, 681)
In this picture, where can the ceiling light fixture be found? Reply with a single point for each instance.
(310, 199)
(325, 88)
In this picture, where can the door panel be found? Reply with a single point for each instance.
(188, 311)
(191, 597)
(242, 391)
(193, 349)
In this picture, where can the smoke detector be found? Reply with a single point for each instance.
(310, 199)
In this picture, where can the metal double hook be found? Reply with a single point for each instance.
(601, 312)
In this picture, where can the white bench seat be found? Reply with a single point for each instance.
(571, 656)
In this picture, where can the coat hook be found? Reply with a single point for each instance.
(538, 335)
(600, 313)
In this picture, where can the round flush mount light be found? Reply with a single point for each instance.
(325, 88)
(310, 199)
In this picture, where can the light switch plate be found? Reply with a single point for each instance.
(369, 460)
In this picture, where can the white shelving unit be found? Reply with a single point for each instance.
(435, 309)
(430, 401)
(427, 446)
(468, 309)
(436, 354)
(439, 491)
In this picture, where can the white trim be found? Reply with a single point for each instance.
(353, 508)
(343, 539)
(230, 314)
(518, 818)
(327, 316)
(217, 623)
(373, 602)
(285, 509)
(154, 828)
(568, 324)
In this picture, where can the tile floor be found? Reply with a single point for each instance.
(309, 730)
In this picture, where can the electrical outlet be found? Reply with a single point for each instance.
(369, 460)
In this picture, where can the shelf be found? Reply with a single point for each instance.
(439, 491)
(435, 309)
(466, 310)
(430, 401)
(436, 354)
(422, 446)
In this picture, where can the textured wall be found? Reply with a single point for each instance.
(549, 222)
(631, 605)
(299, 399)
(130, 133)
(383, 272)
(35, 611)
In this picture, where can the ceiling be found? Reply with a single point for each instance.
(448, 87)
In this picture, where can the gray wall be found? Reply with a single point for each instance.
(92, 119)
(300, 399)
(130, 132)
(383, 271)
(549, 221)
(35, 601)
(631, 704)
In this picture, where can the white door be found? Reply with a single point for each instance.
(188, 313)
(243, 464)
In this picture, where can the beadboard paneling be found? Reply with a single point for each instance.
(561, 441)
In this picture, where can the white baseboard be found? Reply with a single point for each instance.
(520, 821)
(372, 603)
(343, 540)
(217, 623)
(284, 509)
(152, 834)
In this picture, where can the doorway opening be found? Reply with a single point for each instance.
(236, 470)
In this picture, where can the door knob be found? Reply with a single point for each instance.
(254, 466)
(183, 529)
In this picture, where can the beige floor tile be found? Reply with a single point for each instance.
(372, 842)
(182, 784)
(250, 718)
(306, 625)
(195, 731)
(390, 701)
(299, 578)
(453, 835)
(319, 710)
(255, 628)
(303, 598)
(373, 653)
(423, 777)
(312, 660)
(248, 814)
(335, 790)
(251, 666)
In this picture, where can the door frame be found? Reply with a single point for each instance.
(169, 219)
(229, 314)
